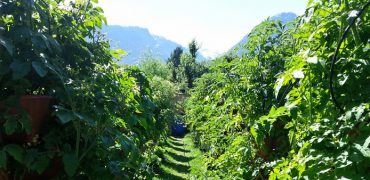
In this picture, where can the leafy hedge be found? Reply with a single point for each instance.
(271, 113)
(105, 123)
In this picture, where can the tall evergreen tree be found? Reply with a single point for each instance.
(193, 48)
(175, 56)
(175, 61)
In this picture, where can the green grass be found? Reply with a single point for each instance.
(181, 159)
(196, 164)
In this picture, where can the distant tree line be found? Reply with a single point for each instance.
(184, 67)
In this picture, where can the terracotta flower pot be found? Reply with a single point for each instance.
(39, 109)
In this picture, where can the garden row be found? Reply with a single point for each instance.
(67, 109)
(295, 105)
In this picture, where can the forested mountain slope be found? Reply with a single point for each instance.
(139, 43)
(284, 17)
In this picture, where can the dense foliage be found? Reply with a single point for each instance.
(295, 105)
(174, 61)
(163, 89)
(105, 123)
(184, 66)
(270, 114)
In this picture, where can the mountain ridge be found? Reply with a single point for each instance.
(138, 42)
(284, 17)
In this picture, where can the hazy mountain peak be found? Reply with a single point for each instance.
(283, 17)
(139, 42)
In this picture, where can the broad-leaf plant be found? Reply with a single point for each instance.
(105, 123)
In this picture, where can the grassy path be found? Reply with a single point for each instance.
(180, 159)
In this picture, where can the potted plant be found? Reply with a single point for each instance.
(27, 107)
(33, 111)
(27, 82)
(39, 109)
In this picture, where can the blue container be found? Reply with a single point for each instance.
(178, 130)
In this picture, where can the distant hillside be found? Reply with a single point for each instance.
(283, 17)
(138, 42)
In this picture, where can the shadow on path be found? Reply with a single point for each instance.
(175, 142)
(177, 148)
(179, 158)
(180, 168)
(176, 165)
(169, 176)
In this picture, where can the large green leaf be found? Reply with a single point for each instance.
(41, 164)
(20, 69)
(21, 34)
(70, 162)
(15, 151)
(143, 122)
(40, 11)
(25, 123)
(7, 44)
(367, 143)
(85, 118)
(2, 159)
(38, 43)
(54, 44)
(118, 53)
(364, 149)
(64, 115)
(40, 68)
(4, 69)
(10, 125)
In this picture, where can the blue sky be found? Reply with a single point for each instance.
(216, 24)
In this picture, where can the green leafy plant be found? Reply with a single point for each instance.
(105, 122)
(295, 105)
